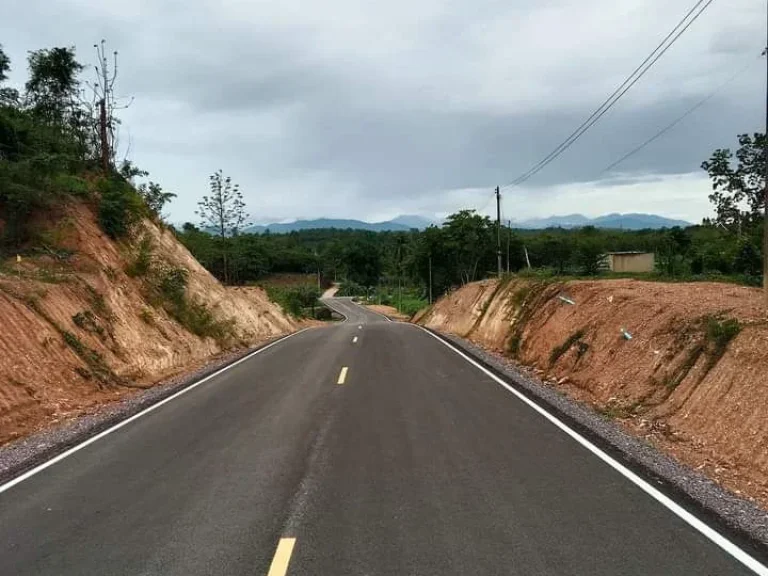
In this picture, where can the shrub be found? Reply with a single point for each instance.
(120, 207)
(173, 284)
(141, 264)
(720, 333)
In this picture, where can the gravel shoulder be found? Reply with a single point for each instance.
(741, 520)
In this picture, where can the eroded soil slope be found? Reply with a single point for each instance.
(76, 330)
(684, 365)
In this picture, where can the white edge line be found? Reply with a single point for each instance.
(40, 467)
(713, 535)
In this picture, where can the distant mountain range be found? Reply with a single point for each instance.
(614, 221)
(399, 224)
(409, 222)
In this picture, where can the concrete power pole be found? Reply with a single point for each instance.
(765, 192)
(498, 231)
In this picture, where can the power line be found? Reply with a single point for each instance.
(677, 121)
(628, 83)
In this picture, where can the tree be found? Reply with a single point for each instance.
(5, 65)
(53, 84)
(470, 237)
(738, 193)
(8, 96)
(223, 212)
(673, 250)
(155, 197)
(590, 254)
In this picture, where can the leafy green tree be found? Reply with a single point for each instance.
(362, 262)
(8, 96)
(53, 84)
(5, 65)
(673, 251)
(738, 192)
(470, 237)
(589, 255)
(155, 197)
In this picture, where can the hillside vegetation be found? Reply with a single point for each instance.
(97, 296)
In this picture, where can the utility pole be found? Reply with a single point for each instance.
(399, 287)
(509, 240)
(765, 184)
(430, 278)
(498, 231)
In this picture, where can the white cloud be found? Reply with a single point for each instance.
(368, 109)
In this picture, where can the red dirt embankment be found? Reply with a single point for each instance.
(689, 379)
(77, 331)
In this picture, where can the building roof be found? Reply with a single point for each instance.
(628, 253)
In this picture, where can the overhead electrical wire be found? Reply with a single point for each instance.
(679, 119)
(625, 86)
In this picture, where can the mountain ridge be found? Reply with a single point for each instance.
(404, 223)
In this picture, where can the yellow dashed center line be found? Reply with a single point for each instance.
(342, 376)
(282, 557)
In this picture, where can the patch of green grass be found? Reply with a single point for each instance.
(720, 332)
(558, 351)
(95, 362)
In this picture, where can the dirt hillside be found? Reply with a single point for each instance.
(77, 330)
(684, 365)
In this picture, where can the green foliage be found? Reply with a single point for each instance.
(294, 299)
(5, 65)
(738, 192)
(120, 207)
(173, 285)
(155, 197)
(95, 361)
(53, 83)
(142, 261)
(351, 289)
(720, 332)
(590, 255)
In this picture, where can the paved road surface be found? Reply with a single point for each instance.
(419, 464)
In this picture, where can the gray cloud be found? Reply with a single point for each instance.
(370, 109)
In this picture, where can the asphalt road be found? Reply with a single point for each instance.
(419, 464)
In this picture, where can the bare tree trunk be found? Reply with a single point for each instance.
(103, 136)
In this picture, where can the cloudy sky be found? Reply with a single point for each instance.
(370, 109)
